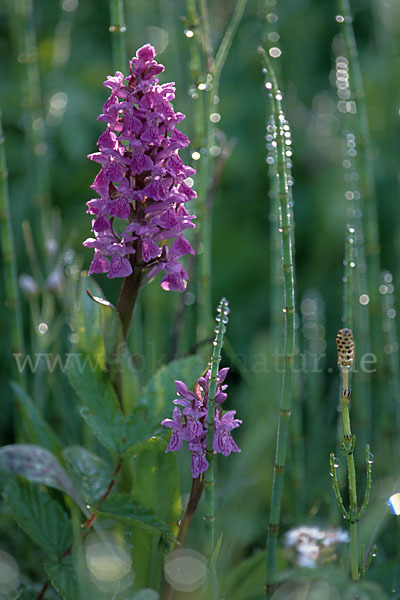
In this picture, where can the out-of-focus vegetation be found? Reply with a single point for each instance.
(74, 57)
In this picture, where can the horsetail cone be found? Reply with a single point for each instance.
(345, 347)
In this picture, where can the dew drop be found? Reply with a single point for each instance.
(336, 462)
(43, 328)
(275, 52)
(339, 18)
(189, 33)
(370, 458)
(196, 155)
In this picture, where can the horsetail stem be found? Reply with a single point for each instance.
(118, 35)
(345, 354)
(9, 259)
(287, 249)
(348, 279)
(363, 160)
(209, 517)
(205, 93)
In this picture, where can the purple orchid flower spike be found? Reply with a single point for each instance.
(189, 422)
(140, 214)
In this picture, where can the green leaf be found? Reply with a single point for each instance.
(38, 465)
(102, 412)
(160, 391)
(74, 581)
(42, 518)
(156, 488)
(245, 580)
(34, 426)
(157, 481)
(68, 581)
(126, 510)
(92, 473)
(87, 322)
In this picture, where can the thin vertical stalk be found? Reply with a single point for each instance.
(363, 159)
(9, 260)
(348, 279)
(209, 483)
(226, 42)
(118, 35)
(351, 471)
(287, 248)
(32, 104)
(364, 147)
(205, 94)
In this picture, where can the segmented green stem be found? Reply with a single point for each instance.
(206, 79)
(364, 162)
(348, 445)
(226, 43)
(9, 260)
(118, 35)
(287, 248)
(368, 461)
(22, 11)
(335, 485)
(209, 517)
(348, 279)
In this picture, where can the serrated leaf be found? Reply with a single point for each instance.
(92, 473)
(35, 427)
(126, 510)
(160, 391)
(42, 518)
(38, 465)
(102, 412)
(67, 582)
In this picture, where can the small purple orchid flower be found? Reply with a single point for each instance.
(142, 182)
(189, 422)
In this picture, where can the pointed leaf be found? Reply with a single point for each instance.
(38, 465)
(35, 427)
(103, 414)
(42, 518)
(160, 391)
(68, 580)
(157, 481)
(92, 473)
(126, 510)
(86, 320)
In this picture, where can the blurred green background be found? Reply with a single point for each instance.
(74, 53)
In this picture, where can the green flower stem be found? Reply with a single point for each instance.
(209, 517)
(118, 35)
(287, 249)
(10, 261)
(127, 299)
